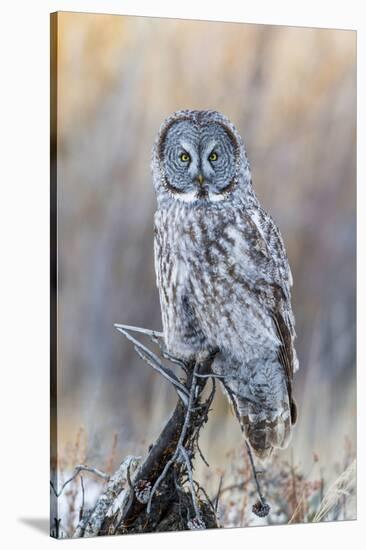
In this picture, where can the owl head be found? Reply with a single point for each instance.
(199, 156)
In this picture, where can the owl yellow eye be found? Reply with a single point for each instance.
(213, 156)
(185, 157)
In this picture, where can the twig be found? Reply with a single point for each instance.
(205, 409)
(249, 451)
(168, 375)
(301, 500)
(57, 522)
(211, 375)
(78, 469)
(260, 508)
(200, 488)
(218, 493)
(240, 485)
(90, 527)
(175, 360)
(153, 334)
(95, 471)
(157, 338)
(200, 451)
(153, 361)
(183, 452)
(81, 511)
(180, 441)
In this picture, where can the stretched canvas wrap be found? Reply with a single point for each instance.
(203, 275)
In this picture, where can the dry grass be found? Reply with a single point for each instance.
(343, 487)
(295, 496)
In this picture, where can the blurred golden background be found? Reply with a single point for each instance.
(291, 92)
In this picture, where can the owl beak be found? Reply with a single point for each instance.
(200, 179)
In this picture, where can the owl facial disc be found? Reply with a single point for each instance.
(198, 159)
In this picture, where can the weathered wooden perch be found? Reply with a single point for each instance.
(159, 493)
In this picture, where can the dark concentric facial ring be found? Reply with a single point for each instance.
(198, 159)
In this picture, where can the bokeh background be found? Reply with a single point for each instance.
(291, 92)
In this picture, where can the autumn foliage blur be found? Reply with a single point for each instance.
(291, 92)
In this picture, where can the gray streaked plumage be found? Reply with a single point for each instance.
(222, 272)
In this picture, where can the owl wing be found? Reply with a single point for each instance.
(267, 238)
(260, 379)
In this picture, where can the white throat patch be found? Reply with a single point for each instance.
(192, 197)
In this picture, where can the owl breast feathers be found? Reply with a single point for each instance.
(222, 272)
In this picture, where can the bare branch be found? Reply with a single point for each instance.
(95, 471)
(260, 508)
(157, 338)
(153, 361)
(218, 493)
(91, 525)
(203, 491)
(172, 359)
(166, 373)
(79, 468)
(183, 452)
(211, 375)
(201, 453)
(180, 442)
(153, 334)
(81, 512)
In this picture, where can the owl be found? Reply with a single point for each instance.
(222, 272)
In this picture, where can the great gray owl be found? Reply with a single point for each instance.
(222, 272)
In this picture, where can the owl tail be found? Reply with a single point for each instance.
(266, 431)
(262, 402)
(265, 428)
(267, 412)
